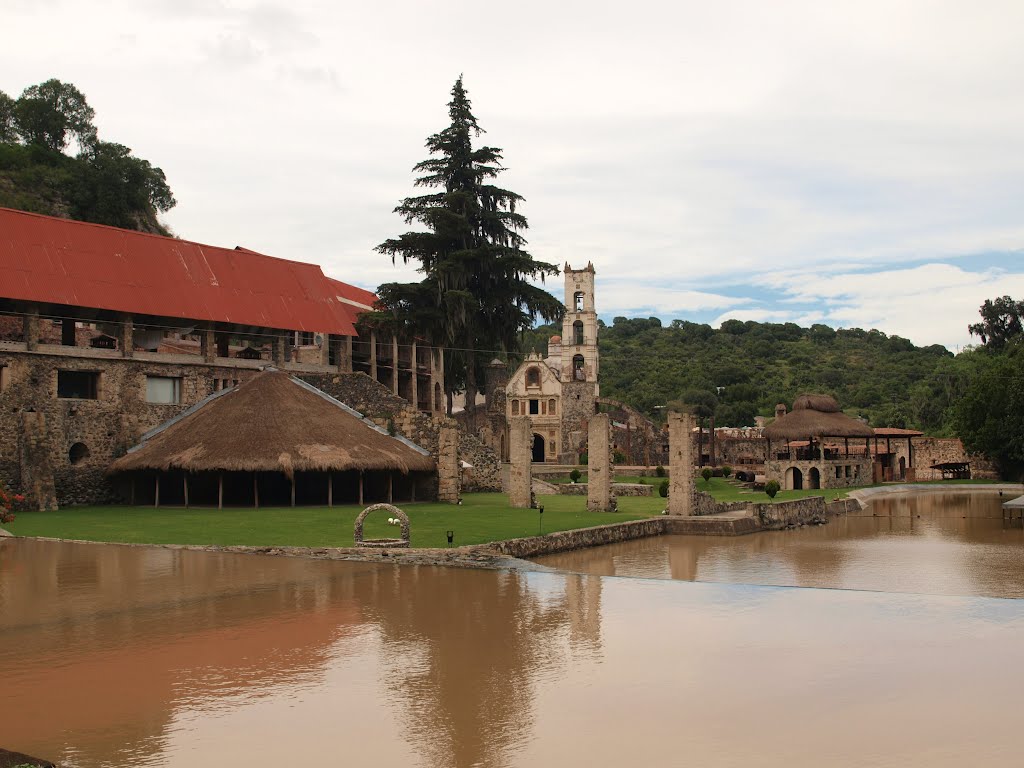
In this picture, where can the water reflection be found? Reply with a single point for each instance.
(934, 544)
(122, 650)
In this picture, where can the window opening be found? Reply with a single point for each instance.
(79, 385)
(163, 390)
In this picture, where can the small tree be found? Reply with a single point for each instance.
(771, 488)
(659, 471)
(706, 474)
(726, 471)
(663, 489)
(575, 475)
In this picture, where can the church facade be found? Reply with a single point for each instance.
(559, 392)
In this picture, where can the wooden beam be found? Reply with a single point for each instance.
(293, 489)
(256, 489)
(360, 487)
(184, 482)
(156, 499)
(391, 486)
(330, 490)
(131, 497)
(220, 490)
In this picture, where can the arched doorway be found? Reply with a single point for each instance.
(794, 479)
(903, 468)
(814, 478)
(538, 448)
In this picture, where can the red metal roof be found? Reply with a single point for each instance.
(57, 261)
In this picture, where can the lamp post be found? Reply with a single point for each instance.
(540, 520)
(451, 537)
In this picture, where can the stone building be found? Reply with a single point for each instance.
(559, 393)
(108, 333)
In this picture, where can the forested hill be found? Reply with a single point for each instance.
(103, 183)
(745, 368)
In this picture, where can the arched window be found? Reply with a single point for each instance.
(551, 407)
(577, 300)
(578, 371)
(577, 332)
(515, 407)
(533, 377)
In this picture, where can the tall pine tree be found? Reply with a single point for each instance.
(476, 297)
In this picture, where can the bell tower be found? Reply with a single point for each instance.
(579, 328)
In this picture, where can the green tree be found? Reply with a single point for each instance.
(112, 186)
(476, 296)
(1001, 320)
(8, 133)
(51, 113)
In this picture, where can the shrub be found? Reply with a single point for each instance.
(584, 459)
(726, 471)
(663, 489)
(9, 504)
(771, 488)
(706, 473)
(618, 457)
(659, 471)
(575, 475)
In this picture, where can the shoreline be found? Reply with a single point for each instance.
(502, 554)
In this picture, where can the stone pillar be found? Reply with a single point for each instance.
(34, 457)
(599, 465)
(680, 464)
(345, 355)
(394, 365)
(448, 465)
(520, 475)
(208, 344)
(280, 348)
(325, 349)
(125, 336)
(31, 328)
(415, 391)
(373, 355)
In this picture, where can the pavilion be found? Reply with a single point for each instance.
(273, 440)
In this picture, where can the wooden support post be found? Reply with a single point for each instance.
(256, 489)
(131, 496)
(330, 490)
(220, 490)
(156, 497)
(184, 482)
(360, 487)
(412, 491)
(391, 486)
(414, 393)
(293, 489)
(373, 355)
(394, 364)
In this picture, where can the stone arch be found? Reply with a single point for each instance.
(579, 372)
(794, 479)
(814, 478)
(577, 332)
(78, 453)
(394, 511)
(903, 467)
(533, 376)
(577, 300)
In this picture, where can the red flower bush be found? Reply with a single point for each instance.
(9, 504)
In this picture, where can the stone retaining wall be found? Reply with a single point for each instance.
(618, 489)
(565, 541)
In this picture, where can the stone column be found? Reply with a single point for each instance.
(125, 336)
(415, 391)
(373, 355)
(394, 365)
(448, 465)
(325, 349)
(280, 348)
(599, 465)
(208, 344)
(34, 457)
(680, 464)
(345, 355)
(31, 328)
(520, 475)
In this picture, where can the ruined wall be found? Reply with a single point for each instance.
(578, 403)
(852, 470)
(520, 480)
(940, 450)
(741, 451)
(599, 469)
(98, 430)
(448, 464)
(680, 492)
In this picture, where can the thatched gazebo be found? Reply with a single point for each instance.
(273, 441)
(797, 447)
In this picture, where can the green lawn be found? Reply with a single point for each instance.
(483, 517)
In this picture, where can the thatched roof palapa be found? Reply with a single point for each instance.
(272, 423)
(815, 416)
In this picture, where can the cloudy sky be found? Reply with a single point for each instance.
(853, 163)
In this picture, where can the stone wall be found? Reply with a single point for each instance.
(565, 541)
(577, 409)
(705, 504)
(599, 468)
(618, 489)
(940, 450)
(520, 480)
(859, 472)
(680, 491)
(83, 436)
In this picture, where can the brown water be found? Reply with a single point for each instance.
(942, 544)
(125, 656)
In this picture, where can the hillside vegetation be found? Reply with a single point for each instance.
(103, 183)
(744, 368)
